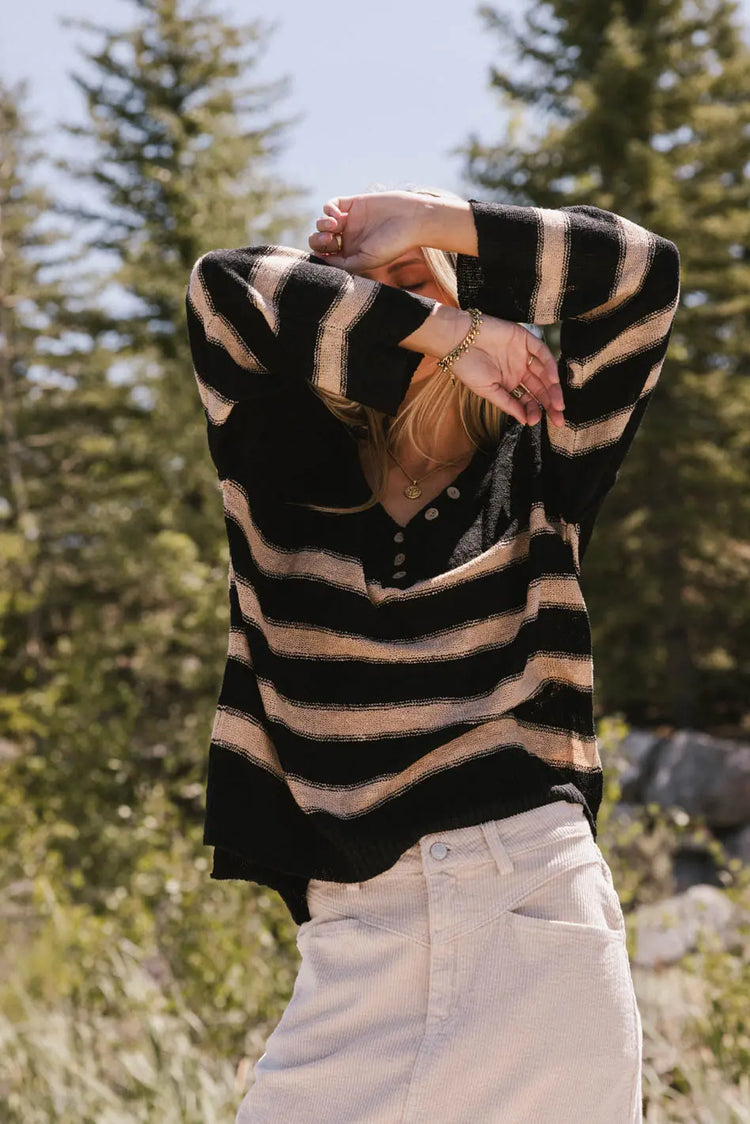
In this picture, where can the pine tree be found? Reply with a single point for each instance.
(643, 107)
(181, 160)
(184, 150)
(41, 421)
(20, 210)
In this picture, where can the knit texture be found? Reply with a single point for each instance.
(359, 711)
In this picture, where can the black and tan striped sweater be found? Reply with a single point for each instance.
(359, 710)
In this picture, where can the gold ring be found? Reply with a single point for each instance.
(530, 360)
(339, 243)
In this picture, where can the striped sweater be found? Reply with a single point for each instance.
(359, 710)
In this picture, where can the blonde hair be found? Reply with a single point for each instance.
(482, 420)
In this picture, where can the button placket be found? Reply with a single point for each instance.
(399, 558)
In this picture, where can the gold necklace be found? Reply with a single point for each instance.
(412, 491)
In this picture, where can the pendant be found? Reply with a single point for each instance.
(412, 491)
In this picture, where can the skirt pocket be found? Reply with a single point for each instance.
(568, 890)
(327, 917)
(377, 904)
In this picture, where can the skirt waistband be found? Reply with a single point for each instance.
(495, 839)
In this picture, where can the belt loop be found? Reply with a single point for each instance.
(353, 886)
(497, 847)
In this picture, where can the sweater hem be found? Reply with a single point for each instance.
(352, 851)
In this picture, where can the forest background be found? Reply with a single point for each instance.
(134, 988)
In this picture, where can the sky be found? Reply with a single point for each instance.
(386, 89)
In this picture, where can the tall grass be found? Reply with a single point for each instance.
(145, 1059)
(151, 1001)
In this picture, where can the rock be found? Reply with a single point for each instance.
(694, 866)
(636, 750)
(665, 931)
(706, 776)
(737, 844)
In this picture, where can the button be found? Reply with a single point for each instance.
(431, 513)
(438, 850)
(399, 536)
(453, 492)
(399, 574)
(399, 559)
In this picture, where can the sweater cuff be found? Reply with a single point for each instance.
(501, 281)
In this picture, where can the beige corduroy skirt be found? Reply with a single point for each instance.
(482, 979)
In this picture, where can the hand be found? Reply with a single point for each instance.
(375, 229)
(505, 354)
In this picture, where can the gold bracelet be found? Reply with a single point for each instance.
(446, 362)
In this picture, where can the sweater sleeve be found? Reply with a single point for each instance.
(261, 314)
(614, 286)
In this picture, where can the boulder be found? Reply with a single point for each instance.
(665, 931)
(707, 776)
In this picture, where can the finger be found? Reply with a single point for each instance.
(528, 392)
(536, 389)
(542, 355)
(543, 370)
(506, 402)
(536, 402)
(318, 243)
(338, 207)
(536, 397)
(543, 384)
(531, 406)
(541, 362)
(324, 243)
(328, 223)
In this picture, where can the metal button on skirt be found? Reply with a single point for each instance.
(483, 978)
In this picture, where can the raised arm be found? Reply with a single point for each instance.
(362, 232)
(258, 315)
(615, 287)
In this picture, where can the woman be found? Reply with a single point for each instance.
(404, 742)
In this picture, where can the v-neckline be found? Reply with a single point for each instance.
(478, 455)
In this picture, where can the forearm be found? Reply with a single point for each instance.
(443, 330)
(446, 224)
(258, 315)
